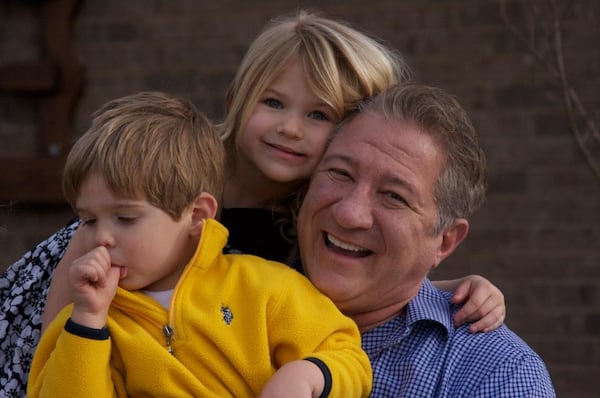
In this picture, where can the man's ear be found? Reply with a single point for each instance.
(451, 238)
(204, 206)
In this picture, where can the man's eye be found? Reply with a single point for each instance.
(318, 115)
(127, 220)
(338, 173)
(273, 103)
(397, 198)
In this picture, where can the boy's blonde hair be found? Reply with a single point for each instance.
(149, 146)
(343, 67)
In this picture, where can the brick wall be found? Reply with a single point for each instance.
(537, 237)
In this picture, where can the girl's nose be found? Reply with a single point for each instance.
(291, 127)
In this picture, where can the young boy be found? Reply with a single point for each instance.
(157, 308)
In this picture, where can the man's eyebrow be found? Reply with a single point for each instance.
(338, 157)
(394, 180)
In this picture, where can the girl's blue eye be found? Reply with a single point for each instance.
(273, 103)
(318, 115)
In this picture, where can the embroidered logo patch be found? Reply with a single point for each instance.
(227, 314)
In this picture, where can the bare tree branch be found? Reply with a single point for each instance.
(581, 124)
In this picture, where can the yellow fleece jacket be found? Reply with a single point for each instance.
(235, 320)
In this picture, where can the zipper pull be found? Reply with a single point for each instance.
(168, 332)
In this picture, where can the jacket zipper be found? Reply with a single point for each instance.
(168, 332)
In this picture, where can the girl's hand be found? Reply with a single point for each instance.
(483, 304)
(295, 379)
(58, 293)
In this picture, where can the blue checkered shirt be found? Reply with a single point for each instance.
(421, 354)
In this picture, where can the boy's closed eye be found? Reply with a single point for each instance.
(87, 221)
(127, 219)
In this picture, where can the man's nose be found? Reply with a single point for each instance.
(354, 209)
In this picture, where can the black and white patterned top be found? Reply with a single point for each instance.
(23, 289)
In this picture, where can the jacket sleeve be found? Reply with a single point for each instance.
(304, 323)
(67, 365)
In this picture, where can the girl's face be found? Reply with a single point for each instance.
(287, 131)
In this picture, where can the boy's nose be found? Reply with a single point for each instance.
(104, 237)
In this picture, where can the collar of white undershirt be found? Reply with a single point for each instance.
(163, 296)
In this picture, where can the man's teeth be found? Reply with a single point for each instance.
(344, 245)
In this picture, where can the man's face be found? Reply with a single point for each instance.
(365, 227)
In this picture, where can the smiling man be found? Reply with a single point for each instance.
(389, 201)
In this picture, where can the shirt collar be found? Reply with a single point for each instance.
(428, 309)
(431, 304)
